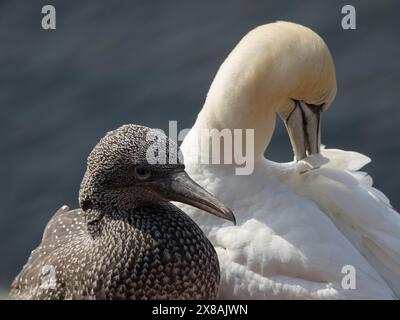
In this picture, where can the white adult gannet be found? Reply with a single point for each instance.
(296, 232)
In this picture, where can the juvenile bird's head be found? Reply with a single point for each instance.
(135, 166)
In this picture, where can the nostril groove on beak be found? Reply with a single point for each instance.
(296, 104)
(311, 115)
(303, 124)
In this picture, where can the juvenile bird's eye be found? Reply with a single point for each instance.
(142, 173)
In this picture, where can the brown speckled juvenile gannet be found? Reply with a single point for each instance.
(126, 241)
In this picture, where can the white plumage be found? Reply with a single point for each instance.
(295, 231)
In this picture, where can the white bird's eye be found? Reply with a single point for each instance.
(142, 173)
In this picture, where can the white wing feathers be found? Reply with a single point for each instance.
(361, 212)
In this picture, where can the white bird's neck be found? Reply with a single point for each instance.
(269, 67)
(242, 96)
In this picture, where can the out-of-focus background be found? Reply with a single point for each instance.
(148, 62)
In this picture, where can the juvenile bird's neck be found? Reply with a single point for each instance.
(107, 222)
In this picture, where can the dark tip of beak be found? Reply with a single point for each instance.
(226, 214)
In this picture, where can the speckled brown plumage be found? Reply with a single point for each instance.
(128, 243)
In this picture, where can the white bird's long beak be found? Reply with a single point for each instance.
(304, 128)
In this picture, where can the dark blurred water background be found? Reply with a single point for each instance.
(147, 62)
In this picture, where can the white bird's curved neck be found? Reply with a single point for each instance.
(241, 107)
(269, 67)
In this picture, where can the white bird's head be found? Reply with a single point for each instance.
(278, 68)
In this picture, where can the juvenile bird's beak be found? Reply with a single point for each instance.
(304, 128)
(180, 187)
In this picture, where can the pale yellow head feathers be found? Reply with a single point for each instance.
(270, 66)
(301, 64)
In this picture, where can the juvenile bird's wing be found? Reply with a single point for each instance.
(39, 278)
